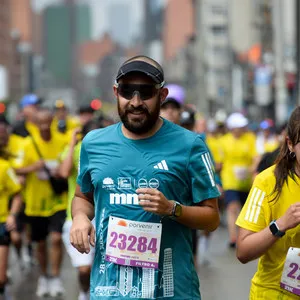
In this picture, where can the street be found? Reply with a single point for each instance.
(224, 278)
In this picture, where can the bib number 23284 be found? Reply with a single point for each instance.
(290, 279)
(133, 243)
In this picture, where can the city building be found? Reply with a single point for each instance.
(65, 27)
(22, 54)
(215, 55)
(5, 48)
(153, 27)
(178, 30)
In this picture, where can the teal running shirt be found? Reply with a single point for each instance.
(176, 162)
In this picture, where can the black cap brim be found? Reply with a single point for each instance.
(141, 67)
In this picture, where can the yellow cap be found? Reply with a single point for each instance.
(59, 103)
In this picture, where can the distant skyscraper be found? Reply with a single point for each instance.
(120, 23)
(59, 38)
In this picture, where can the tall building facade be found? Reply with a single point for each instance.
(178, 29)
(65, 27)
(153, 25)
(5, 48)
(215, 55)
(21, 33)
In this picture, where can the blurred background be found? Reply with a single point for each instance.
(229, 55)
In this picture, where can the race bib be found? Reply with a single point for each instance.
(132, 243)
(42, 175)
(290, 279)
(51, 165)
(241, 173)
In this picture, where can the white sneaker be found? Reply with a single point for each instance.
(84, 295)
(42, 289)
(7, 293)
(56, 287)
(203, 249)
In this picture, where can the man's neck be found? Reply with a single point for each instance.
(46, 136)
(151, 132)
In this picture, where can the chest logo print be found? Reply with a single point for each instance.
(162, 165)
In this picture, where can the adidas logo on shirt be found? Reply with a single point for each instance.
(162, 165)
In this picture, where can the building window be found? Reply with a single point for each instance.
(219, 30)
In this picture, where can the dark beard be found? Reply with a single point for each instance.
(139, 126)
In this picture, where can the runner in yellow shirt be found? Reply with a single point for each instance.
(238, 154)
(68, 169)
(45, 210)
(30, 106)
(14, 148)
(270, 223)
(9, 187)
(63, 122)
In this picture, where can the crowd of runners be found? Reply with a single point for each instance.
(40, 153)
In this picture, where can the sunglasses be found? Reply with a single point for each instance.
(145, 91)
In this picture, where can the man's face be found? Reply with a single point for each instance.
(171, 112)
(238, 132)
(44, 120)
(61, 113)
(4, 136)
(30, 111)
(139, 116)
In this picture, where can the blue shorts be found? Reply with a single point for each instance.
(232, 195)
(4, 235)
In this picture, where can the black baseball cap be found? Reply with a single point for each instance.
(171, 100)
(156, 74)
(85, 108)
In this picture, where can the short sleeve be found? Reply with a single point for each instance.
(256, 211)
(30, 154)
(12, 183)
(84, 177)
(76, 156)
(201, 173)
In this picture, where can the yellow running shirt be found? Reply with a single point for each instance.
(72, 122)
(16, 150)
(9, 186)
(237, 158)
(257, 213)
(39, 197)
(214, 147)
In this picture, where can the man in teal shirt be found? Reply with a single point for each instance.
(148, 182)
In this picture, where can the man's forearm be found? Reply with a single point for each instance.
(81, 206)
(200, 217)
(26, 170)
(16, 204)
(66, 166)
